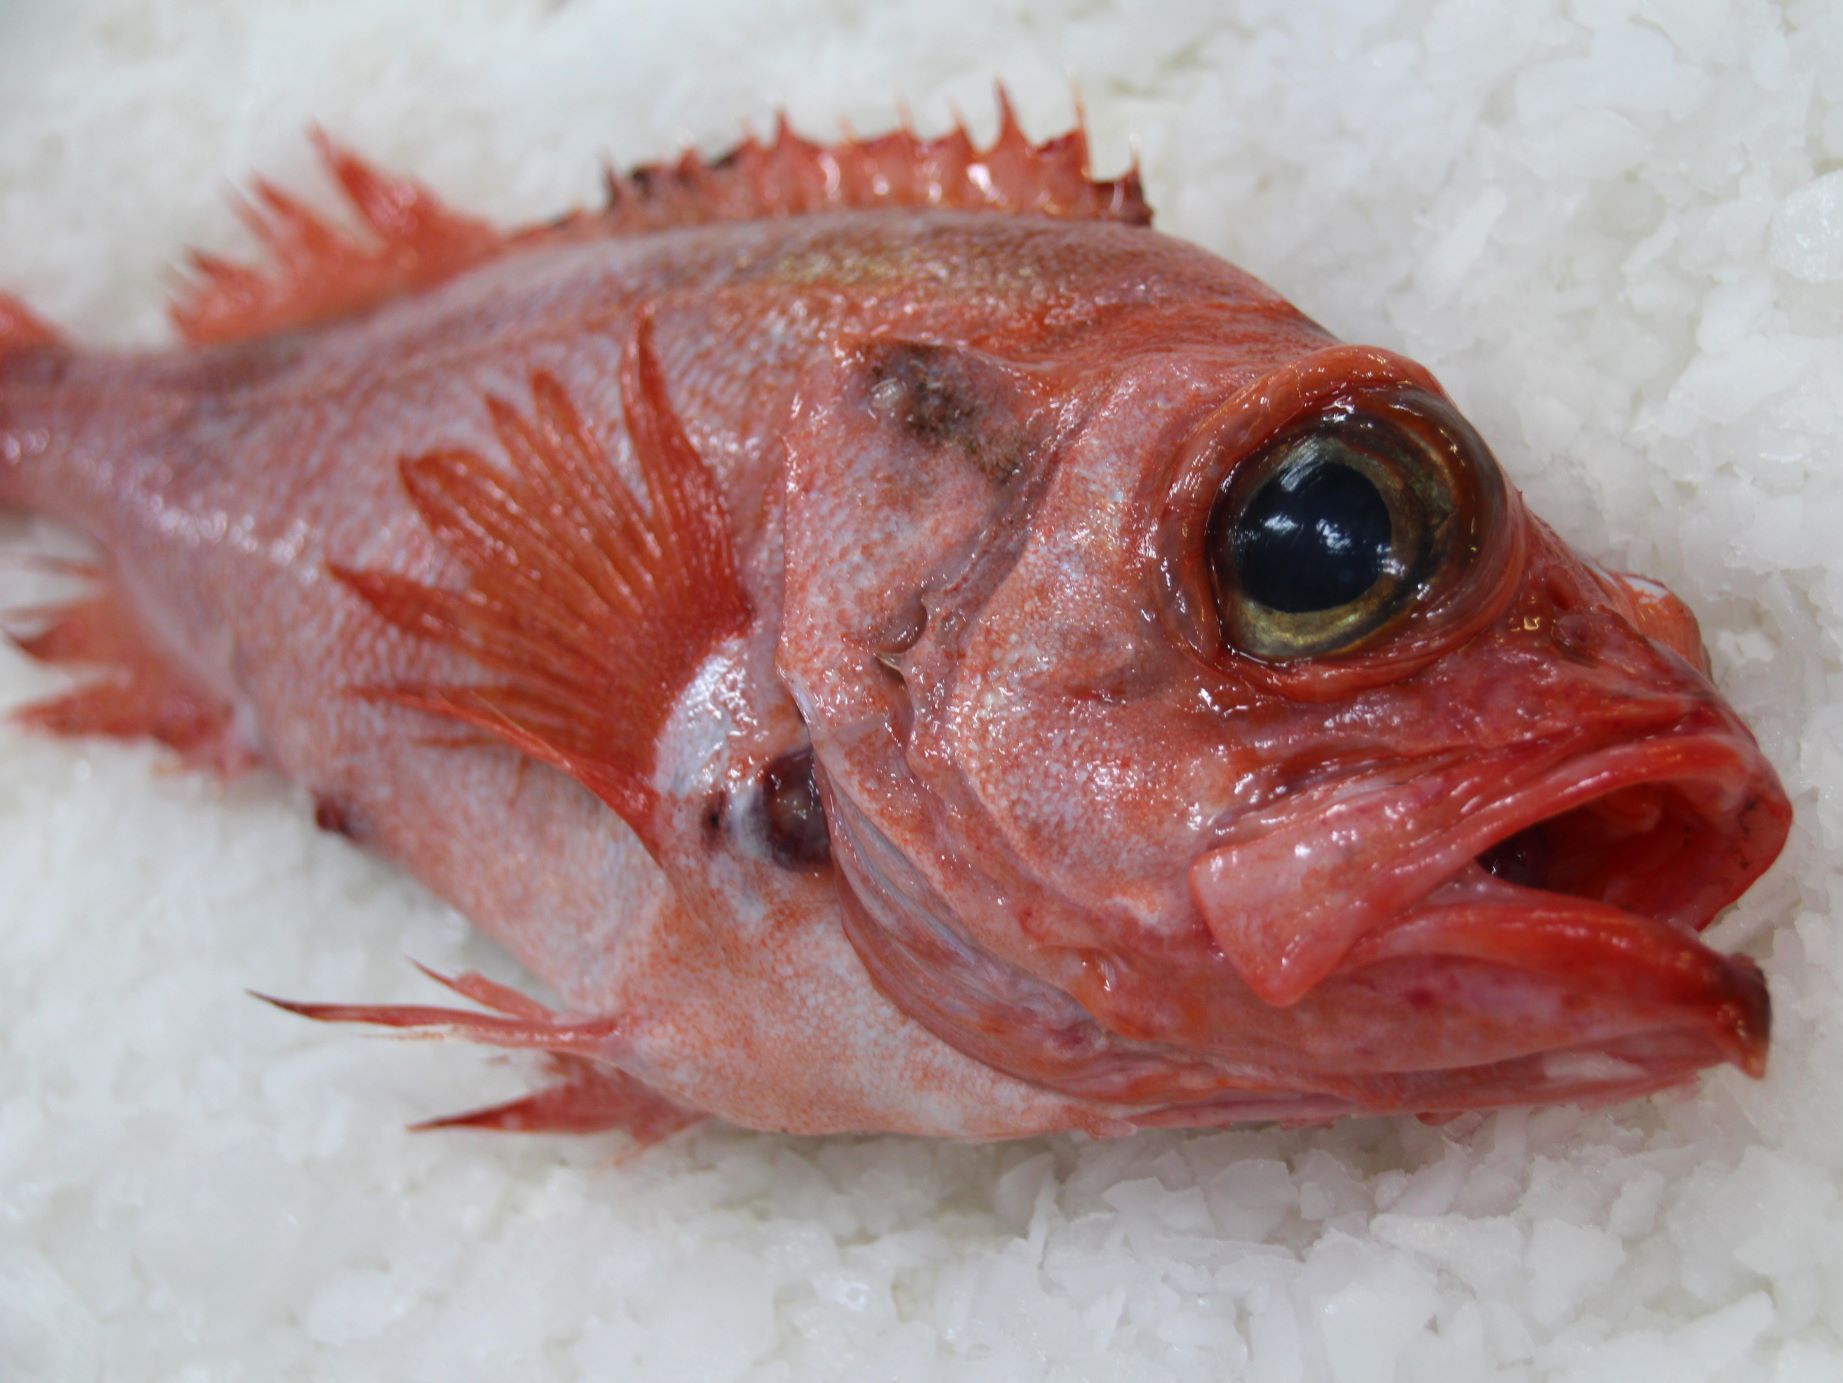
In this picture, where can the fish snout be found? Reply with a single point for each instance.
(1588, 877)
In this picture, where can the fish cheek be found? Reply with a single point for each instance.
(910, 471)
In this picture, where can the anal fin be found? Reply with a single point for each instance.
(135, 693)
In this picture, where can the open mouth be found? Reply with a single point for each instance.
(1460, 922)
(1677, 850)
(1598, 879)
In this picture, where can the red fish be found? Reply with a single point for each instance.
(897, 644)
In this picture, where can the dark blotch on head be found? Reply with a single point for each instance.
(931, 393)
(926, 392)
(793, 819)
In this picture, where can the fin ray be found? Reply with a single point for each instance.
(314, 271)
(585, 1098)
(317, 271)
(591, 612)
(21, 329)
(136, 691)
(588, 1093)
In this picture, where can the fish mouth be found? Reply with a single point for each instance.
(1673, 829)
(1594, 881)
(1442, 924)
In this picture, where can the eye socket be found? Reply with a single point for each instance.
(1321, 541)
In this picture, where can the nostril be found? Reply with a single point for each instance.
(1581, 635)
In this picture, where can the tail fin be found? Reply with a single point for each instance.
(138, 689)
(22, 336)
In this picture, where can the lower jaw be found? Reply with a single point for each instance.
(1595, 1074)
(1658, 973)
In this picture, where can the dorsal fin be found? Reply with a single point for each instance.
(318, 271)
(410, 240)
(792, 176)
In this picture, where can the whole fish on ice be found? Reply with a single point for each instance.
(897, 644)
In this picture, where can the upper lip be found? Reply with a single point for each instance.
(1645, 842)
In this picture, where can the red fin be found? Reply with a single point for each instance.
(586, 1098)
(589, 1095)
(591, 612)
(590, 1037)
(318, 271)
(138, 694)
(487, 993)
(21, 330)
(789, 176)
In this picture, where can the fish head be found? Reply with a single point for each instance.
(1216, 735)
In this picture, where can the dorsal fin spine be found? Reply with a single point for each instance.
(317, 271)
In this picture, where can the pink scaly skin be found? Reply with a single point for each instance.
(930, 492)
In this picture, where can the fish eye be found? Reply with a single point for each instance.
(1320, 542)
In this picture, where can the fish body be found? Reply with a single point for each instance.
(849, 622)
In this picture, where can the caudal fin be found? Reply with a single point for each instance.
(135, 689)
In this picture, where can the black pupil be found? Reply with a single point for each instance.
(1314, 537)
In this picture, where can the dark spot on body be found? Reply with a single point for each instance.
(340, 817)
(793, 818)
(933, 394)
(254, 366)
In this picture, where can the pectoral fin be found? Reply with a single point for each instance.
(589, 611)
